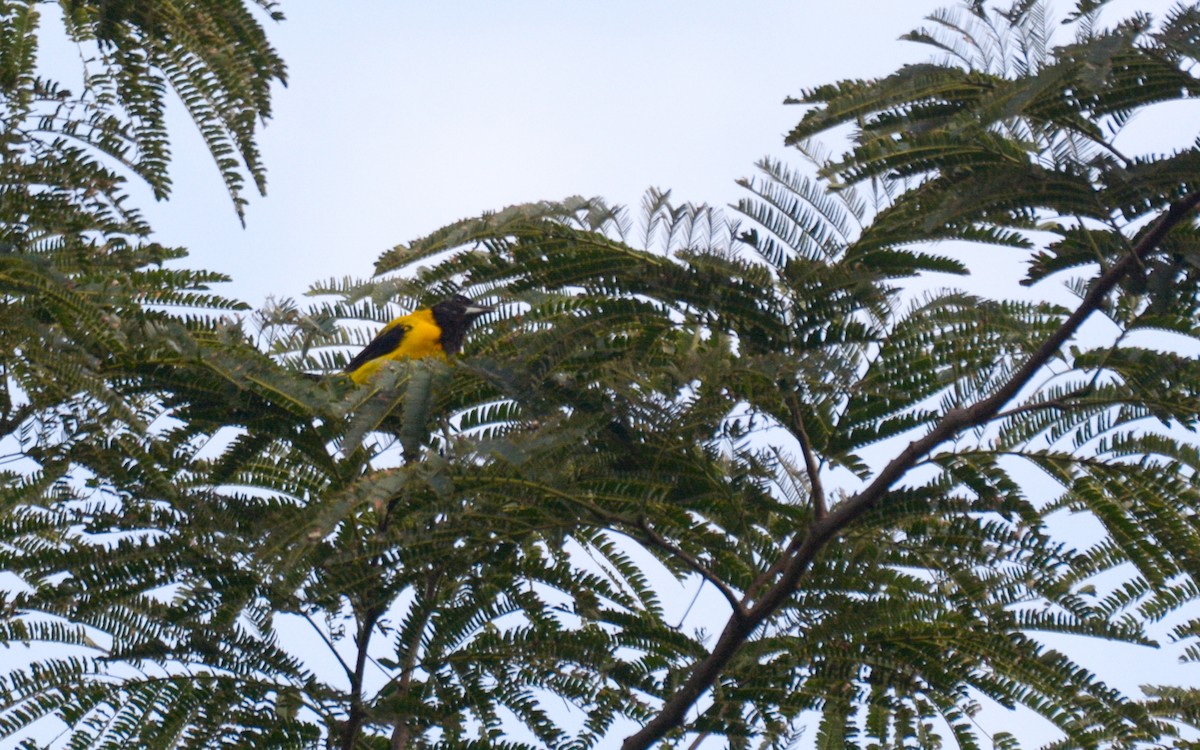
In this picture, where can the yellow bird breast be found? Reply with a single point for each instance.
(421, 337)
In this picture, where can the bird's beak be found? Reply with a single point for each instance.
(477, 309)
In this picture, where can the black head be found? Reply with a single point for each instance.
(454, 316)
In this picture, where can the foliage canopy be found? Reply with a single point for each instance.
(866, 473)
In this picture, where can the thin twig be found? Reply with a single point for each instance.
(1058, 402)
(696, 743)
(332, 648)
(688, 610)
(657, 540)
(811, 465)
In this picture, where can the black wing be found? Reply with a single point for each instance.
(383, 344)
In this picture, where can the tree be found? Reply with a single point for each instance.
(85, 301)
(767, 402)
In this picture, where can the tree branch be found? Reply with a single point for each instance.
(698, 741)
(14, 420)
(811, 465)
(362, 641)
(805, 547)
(657, 540)
(401, 731)
(332, 647)
(1058, 402)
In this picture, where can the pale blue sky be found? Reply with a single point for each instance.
(402, 117)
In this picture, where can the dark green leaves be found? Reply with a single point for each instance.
(774, 407)
(214, 55)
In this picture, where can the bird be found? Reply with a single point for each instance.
(435, 331)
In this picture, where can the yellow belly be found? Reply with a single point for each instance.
(423, 339)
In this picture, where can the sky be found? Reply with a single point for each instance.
(400, 117)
